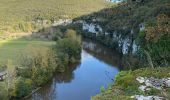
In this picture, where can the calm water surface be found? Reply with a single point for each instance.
(97, 68)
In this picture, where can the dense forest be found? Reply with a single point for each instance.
(42, 40)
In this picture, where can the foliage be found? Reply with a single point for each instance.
(156, 40)
(102, 89)
(3, 91)
(37, 64)
(125, 79)
(68, 49)
(22, 87)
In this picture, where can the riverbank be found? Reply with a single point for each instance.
(129, 85)
(31, 63)
(97, 68)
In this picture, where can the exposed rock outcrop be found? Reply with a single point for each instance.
(149, 83)
(154, 83)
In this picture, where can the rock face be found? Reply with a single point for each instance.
(93, 28)
(125, 43)
(149, 83)
(142, 26)
(154, 82)
(114, 1)
(141, 97)
(62, 22)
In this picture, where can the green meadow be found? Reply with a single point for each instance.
(11, 49)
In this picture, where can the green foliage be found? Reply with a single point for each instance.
(3, 91)
(125, 79)
(156, 40)
(68, 49)
(22, 87)
(153, 91)
(168, 93)
(156, 72)
(58, 35)
(102, 89)
(37, 64)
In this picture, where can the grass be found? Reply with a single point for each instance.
(10, 49)
(126, 85)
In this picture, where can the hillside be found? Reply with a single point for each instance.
(19, 14)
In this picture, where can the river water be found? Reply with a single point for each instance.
(97, 68)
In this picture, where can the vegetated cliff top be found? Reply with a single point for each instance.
(128, 15)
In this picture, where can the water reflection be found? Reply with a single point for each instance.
(102, 53)
(68, 75)
(84, 79)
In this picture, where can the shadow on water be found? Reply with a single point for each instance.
(107, 55)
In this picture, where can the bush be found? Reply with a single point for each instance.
(22, 87)
(3, 91)
(68, 49)
(102, 89)
(125, 79)
(37, 64)
(156, 41)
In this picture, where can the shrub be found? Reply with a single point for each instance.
(3, 91)
(37, 64)
(102, 89)
(22, 87)
(68, 49)
(125, 79)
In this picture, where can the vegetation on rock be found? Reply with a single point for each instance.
(126, 85)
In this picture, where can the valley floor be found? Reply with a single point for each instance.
(10, 49)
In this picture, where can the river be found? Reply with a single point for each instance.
(97, 68)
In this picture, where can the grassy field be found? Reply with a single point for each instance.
(14, 12)
(10, 49)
